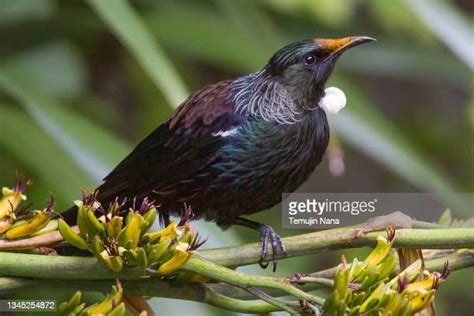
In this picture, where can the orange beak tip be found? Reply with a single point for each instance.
(335, 45)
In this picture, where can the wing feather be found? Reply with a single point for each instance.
(178, 152)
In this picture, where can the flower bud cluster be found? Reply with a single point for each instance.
(405, 294)
(121, 241)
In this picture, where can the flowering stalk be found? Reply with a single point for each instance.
(125, 242)
(402, 295)
(33, 226)
(12, 197)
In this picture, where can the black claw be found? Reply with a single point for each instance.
(263, 265)
(268, 234)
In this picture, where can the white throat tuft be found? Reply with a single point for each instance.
(333, 101)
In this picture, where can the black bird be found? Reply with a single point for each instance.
(232, 148)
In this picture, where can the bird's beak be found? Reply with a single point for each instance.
(335, 47)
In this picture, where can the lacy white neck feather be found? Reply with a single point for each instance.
(256, 95)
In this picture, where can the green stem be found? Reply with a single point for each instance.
(271, 300)
(207, 268)
(9, 284)
(60, 267)
(237, 305)
(457, 261)
(342, 238)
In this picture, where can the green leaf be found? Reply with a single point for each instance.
(55, 68)
(208, 39)
(131, 31)
(14, 11)
(23, 139)
(451, 27)
(72, 132)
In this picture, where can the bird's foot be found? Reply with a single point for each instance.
(267, 234)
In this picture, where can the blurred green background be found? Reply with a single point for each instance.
(81, 82)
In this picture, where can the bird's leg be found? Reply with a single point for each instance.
(267, 234)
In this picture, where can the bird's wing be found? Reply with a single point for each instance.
(179, 149)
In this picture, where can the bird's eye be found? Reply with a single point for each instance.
(309, 60)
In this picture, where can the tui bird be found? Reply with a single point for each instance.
(233, 147)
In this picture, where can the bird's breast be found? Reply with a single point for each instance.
(264, 160)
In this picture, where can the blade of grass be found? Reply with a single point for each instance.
(130, 29)
(15, 11)
(54, 119)
(54, 68)
(451, 27)
(30, 145)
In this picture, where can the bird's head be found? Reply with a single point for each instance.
(303, 67)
